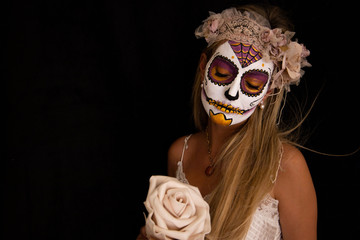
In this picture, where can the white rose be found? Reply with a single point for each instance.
(176, 210)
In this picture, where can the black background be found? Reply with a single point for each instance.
(96, 91)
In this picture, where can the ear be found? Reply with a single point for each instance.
(202, 63)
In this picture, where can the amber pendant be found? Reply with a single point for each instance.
(209, 170)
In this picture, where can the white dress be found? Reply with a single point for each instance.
(265, 222)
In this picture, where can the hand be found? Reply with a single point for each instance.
(142, 235)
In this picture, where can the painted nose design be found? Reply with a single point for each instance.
(230, 95)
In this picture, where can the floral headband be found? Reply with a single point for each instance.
(274, 44)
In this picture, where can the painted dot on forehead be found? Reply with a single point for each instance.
(262, 65)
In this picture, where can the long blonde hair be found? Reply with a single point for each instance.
(249, 160)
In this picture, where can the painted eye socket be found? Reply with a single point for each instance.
(222, 71)
(253, 82)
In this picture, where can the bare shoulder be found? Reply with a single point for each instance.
(174, 154)
(292, 159)
(294, 172)
(296, 194)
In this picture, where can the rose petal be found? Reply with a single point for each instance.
(188, 196)
(176, 210)
(162, 217)
(175, 203)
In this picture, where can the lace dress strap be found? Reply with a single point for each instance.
(180, 175)
(273, 180)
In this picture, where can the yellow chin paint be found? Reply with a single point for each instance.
(220, 118)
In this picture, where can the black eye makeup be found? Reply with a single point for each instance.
(253, 82)
(222, 71)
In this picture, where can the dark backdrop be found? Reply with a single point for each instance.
(96, 92)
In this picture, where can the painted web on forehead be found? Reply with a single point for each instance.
(246, 53)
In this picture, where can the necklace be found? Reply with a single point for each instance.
(209, 169)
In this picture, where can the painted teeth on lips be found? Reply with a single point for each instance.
(225, 107)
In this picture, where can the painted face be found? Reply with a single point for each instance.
(236, 80)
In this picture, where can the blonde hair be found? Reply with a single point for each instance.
(250, 158)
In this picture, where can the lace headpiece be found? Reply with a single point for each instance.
(252, 28)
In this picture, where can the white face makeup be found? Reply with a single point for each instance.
(236, 80)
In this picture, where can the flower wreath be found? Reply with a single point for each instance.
(289, 57)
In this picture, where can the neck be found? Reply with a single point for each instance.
(218, 134)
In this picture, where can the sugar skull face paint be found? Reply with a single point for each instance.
(236, 80)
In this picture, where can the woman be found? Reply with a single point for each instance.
(256, 182)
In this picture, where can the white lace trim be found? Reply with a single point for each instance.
(180, 174)
(269, 208)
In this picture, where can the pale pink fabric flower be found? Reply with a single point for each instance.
(176, 210)
(214, 25)
(293, 60)
(210, 29)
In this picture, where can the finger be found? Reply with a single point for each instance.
(143, 231)
(141, 237)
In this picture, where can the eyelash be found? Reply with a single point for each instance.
(252, 86)
(221, 75)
